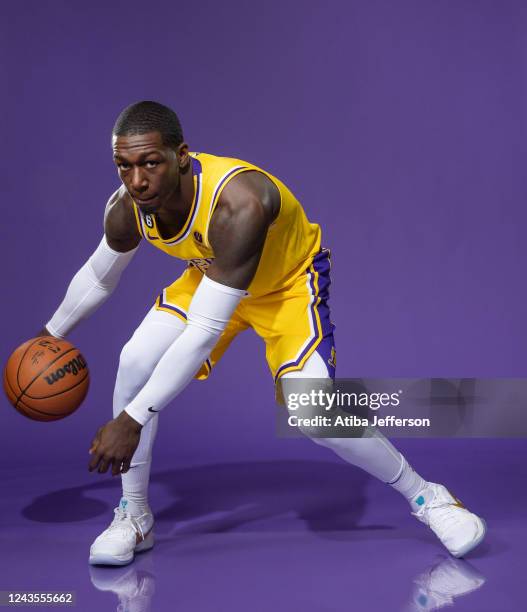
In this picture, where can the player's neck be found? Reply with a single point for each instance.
(179, 205)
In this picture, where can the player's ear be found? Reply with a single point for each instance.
(183, 156)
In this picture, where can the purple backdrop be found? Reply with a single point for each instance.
(400, 126)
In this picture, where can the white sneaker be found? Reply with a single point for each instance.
(125, 536)
(457, 528)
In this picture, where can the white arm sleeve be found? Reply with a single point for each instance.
(210, 310)
(89, 288)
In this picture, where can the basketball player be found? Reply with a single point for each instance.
(254, 260)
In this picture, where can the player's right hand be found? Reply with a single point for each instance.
(114, 445)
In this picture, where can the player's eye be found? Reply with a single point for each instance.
(151, 163)
(123, 166)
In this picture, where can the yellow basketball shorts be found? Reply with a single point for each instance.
(293, 323)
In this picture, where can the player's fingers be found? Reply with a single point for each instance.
(95, 441)
(94, 462)
(104, 464)
(125, 466)
(116, 466)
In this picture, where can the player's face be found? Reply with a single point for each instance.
(149, 169)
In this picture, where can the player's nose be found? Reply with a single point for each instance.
(138, 180)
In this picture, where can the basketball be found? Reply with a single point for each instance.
(46, 378)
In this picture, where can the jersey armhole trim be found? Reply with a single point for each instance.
(221, 186)
(138, 220)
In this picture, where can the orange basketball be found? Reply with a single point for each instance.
(46, 379)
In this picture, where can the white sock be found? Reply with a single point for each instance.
(409, 484)
(135, 489)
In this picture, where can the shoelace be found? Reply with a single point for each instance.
(121, 521)
(441, 509)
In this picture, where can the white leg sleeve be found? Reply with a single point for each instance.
(138, 359)
(373, 453)
(209, 312)
(89, 288)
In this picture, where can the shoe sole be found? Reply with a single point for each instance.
(105, 559)
(482, 530)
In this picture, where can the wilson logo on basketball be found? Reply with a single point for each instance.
(73, 367)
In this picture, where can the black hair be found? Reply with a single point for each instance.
(147, 116)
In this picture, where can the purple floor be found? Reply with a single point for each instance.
(276, 535)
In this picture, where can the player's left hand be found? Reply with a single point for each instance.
(114, 445)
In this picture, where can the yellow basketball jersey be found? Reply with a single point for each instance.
(291, 243)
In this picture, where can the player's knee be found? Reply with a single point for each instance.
(310, 432)
(132, 364)
(346, 446)
(334, 444)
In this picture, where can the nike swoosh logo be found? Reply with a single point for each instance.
(151, 238)
(152, 410)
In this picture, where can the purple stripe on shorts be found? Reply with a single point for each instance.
(322, 265)
(171, 307)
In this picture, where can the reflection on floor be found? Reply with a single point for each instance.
(438, 587)
(259, 536)
(441, 584)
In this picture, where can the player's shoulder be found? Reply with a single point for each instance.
(249, 193)
(120, 225)
(246, 208)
